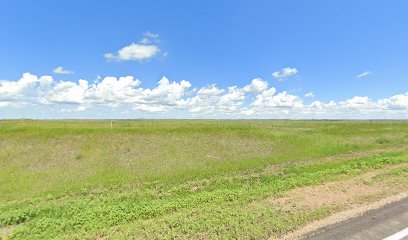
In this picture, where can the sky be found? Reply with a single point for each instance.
(204, 59)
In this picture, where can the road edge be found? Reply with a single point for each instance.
(317, 226)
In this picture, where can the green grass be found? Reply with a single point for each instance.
(177, 178)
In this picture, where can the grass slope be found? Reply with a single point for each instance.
(177, 178)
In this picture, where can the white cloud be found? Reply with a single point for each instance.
(396, 102)
(166, 92)
(284, 73)
(6, 104)
(172, 98)
(134, 52)
(232, 99)
(257, 86)
(137, 52)
(77, 109)
(144, 50)
(247, 112)
(66, 92)
(212, 100)
(151, 108)
(112, 91)
(45, 82)
(21, 89)
(210, 90)
(61, 70)
(323, 106)
(364, 74)
(268, 99)
(310, 95)
(317, 105)
(356, 102)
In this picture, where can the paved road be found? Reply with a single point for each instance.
(376, 224)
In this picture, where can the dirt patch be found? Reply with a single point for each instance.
(351, 197)
(338, 193)
(6, 231)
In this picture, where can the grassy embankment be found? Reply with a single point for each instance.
(184, 179)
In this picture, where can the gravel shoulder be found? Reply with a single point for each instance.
(348, 199)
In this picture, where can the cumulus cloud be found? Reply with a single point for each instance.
(257, 86)
(210, 90)
(66, 92)
(284, 73)
(171, 98)
(397, 102)
(26, 87)
(268, 99)
(111, 90)
(136, 52)
(145, 49)
(61, 70)
(212, 100)
(356, 102)
(364, 74)
(321, 106)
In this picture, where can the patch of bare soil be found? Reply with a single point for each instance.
(6, 231)
(353, 197)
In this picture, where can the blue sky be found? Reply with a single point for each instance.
(323, 45)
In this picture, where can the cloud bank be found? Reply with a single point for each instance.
(171, 99)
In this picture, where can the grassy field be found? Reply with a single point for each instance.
(162, 179)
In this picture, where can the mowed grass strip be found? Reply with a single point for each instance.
(78, 180)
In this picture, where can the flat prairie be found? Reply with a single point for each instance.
(191, 179)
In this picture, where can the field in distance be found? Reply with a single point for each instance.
(202, 179)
